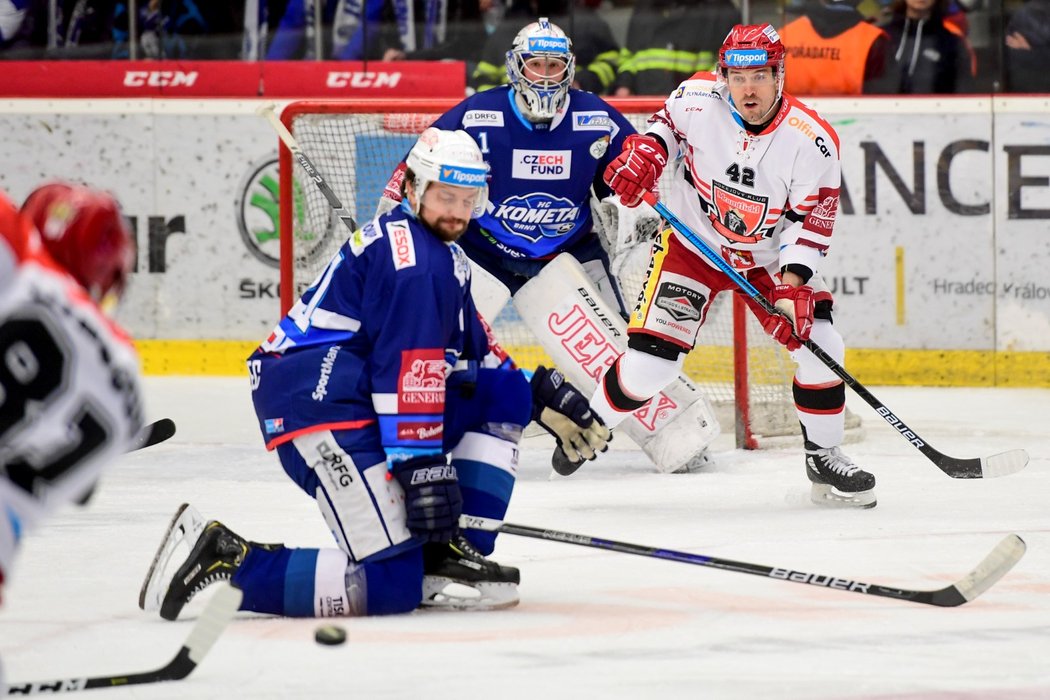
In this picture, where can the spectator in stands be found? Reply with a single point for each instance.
(12, 17)
(597, 53)
(833, 50)
(1028, 48)
(391, 30)
(458, 35)
(931, 54)
(80, 29)
(670, 40)
(180, 29)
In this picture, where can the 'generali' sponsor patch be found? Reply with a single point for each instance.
(822, 219)
(421, 381)
(483, 117)
(402, 247)
(541, 165)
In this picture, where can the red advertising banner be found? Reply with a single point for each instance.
(232, 79)
(345, 79)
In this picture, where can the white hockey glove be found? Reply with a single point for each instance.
(564, 412)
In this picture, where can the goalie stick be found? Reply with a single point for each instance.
(213, 620)
(1000, 464)
(992, 568)
(267, 112)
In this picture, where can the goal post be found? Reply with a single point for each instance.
(356, 144)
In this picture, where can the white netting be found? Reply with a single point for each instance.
(356, 152)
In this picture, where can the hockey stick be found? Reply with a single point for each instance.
(1000, 464)
(992, 568)
(267, 112)
(213, 620)
(152, 434)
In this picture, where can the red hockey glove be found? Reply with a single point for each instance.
(795, 305)
(637, 168)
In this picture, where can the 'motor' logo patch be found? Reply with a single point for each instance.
(681, 303)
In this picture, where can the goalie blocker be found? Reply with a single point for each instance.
(583, 336)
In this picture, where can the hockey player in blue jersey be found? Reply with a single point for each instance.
(350, 390)
(547, 145)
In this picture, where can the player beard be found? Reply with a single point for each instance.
(449, 228)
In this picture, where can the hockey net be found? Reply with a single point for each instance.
(356, 145)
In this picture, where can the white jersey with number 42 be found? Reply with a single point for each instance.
(761, 200)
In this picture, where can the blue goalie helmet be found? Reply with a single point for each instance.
(541, 66)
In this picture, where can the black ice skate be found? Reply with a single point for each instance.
(215, 557)
(837, 481)
(214, 553)
(456, 576)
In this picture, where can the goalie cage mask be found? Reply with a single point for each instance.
(543, 96)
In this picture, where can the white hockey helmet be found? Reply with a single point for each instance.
(543, 97)
(451, 157)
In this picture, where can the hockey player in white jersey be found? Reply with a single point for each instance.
(757, 176)
(69, 389)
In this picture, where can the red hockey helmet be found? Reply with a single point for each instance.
(85, 233)
(753, 46)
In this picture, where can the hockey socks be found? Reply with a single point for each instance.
(324, 583)
(487, 466)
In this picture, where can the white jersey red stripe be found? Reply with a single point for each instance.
(773, 194)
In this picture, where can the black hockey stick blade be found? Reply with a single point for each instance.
(209, 626)
(152, 434)
(561, 463)
(1000, 464)
(992, 568)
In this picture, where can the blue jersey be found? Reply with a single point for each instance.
(368, 346)
(541, 174)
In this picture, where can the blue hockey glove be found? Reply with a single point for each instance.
(564, 413)
(433, 502)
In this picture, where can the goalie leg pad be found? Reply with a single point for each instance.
(584, 336)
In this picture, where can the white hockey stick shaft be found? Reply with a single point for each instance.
(206, 631)
(268, 113)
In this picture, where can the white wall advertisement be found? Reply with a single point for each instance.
(943, 240)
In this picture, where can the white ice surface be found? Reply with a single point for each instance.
(591, 623)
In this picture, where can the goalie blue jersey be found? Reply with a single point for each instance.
(369, 345)
(541, 175)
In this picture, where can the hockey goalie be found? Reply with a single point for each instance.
(575, 316)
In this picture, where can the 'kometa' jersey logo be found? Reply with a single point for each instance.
(538, 215)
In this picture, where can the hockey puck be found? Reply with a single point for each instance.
(330, 635)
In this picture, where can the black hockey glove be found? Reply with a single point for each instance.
(433, 502)
(564, 412)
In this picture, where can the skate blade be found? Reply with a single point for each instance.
(830, 497)
(186, 527)
(441, 593)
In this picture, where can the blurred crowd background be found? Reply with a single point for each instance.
(623, 47)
